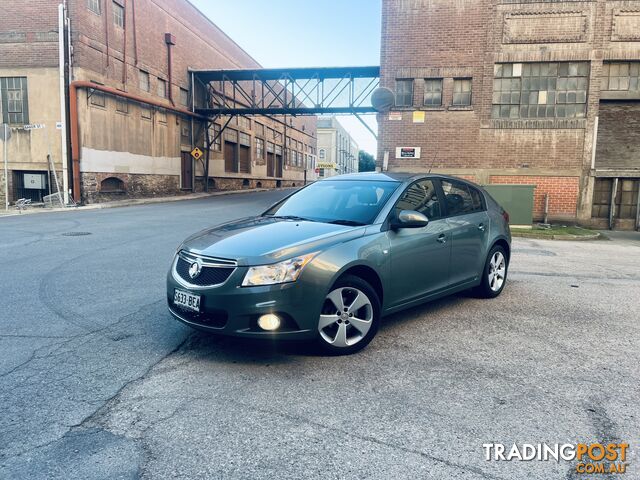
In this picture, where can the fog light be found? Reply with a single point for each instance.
(269, 322)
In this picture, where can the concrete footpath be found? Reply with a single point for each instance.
(13, 211)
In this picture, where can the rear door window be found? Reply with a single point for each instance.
(460, 198)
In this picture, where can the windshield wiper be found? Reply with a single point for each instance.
(292, 217)
(349, 223)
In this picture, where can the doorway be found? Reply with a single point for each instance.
(186, 173)
(271, 165)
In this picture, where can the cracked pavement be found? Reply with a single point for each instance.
(97, 380)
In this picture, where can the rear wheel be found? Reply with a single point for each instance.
(350, 317)
(494, 276)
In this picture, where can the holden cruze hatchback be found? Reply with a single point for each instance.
(328, 262)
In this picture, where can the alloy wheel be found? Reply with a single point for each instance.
(497, 271)
(347, 316)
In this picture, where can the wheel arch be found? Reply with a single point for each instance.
(504, 244)
(368, 274)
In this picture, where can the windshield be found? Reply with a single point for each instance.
(347, 202)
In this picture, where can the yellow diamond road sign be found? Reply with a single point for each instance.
(196, 153)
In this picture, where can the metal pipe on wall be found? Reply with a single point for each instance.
(75, 134)
(63, 103)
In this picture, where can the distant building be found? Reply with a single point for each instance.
(131, 129)
(544, 92)
(337, 150)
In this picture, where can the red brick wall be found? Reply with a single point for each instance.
(28, 33)
(563, 192)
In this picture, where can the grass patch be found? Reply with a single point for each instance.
(553, 231)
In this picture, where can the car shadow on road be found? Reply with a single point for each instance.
(218, 348)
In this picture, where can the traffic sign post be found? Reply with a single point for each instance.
(196, 153)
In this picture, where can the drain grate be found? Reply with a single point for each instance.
(76, 234)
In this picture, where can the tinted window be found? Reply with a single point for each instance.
(343, 201)
(421, 197)
(461, 198)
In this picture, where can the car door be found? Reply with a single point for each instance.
(469, 229)
(419, 256)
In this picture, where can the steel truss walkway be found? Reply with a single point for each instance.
(280, 91)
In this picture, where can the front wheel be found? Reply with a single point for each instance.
(350, 317)
(494, 276)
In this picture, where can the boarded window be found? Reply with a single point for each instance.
(602, 198)
(97, 98)
(184, 97)
(112, 185)
(122, 105)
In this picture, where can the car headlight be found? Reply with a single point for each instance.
(283, 272)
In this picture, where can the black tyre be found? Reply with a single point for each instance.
(350, 317)
(494, 275)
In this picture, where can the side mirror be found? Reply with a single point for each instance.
(409, 219)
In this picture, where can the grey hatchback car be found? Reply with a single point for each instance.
(329, 261)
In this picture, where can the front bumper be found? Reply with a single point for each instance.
(230, 309)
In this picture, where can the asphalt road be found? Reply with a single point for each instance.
(97, 380)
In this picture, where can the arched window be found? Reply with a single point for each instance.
(112, 185)
(322, 153)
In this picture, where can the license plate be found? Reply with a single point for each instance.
(186, 300)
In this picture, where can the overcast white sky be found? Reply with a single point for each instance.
(305, 33)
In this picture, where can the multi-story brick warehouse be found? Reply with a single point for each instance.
(130, 127)
(538, 92)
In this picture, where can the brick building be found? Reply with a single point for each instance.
(538, 92)
(130, 126)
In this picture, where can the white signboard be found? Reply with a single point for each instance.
(34, 126)
(408, 152)
(59, 125)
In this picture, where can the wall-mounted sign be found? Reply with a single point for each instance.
(59, 125)
(395, 116)
(34, 126)
(326, 165)
(418, 117)
(196, 153)
(408, 152)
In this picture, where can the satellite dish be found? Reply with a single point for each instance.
(382, 99)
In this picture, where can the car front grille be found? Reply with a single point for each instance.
(214, 271)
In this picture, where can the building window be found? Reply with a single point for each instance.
(259, 149)
(461, 92)
(94, 6)
(97, 98)
(621, 76)
(244, 122)
(145, 112)
(161, 116)
(404, 92)
(122, 105)
(214, 137)
(322, 153)
(184, 97)
(144, 81)
(259, 129)
(540, 90)
(162, 88)
(118, 15)
(433, 92)
(15, 104)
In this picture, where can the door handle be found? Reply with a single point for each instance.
(482, 227)
(442, 238)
